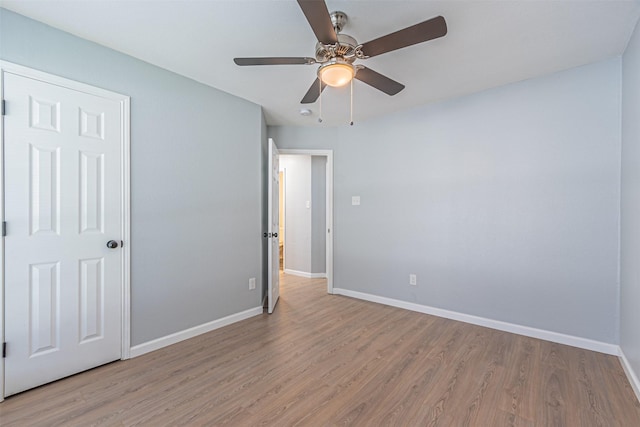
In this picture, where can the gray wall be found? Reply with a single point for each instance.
(630, 206)
(504, 203)
(318, 214)
(195, 176)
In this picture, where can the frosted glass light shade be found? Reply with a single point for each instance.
(336, 74)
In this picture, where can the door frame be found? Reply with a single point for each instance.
(329, 202)
(125, 103)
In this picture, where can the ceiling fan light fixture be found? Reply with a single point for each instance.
(336, 74)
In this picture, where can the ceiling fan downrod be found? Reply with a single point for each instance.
(339, 20)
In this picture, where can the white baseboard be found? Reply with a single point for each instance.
(305, 274)
(631, 375)
(159, 343)
(556, 337)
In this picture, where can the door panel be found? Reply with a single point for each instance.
(63, 178)
(91, 193)
(91, 291)
(44, 308)
(44, 206)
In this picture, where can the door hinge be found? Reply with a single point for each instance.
(4, 228)
(4, 350)
(3, 108)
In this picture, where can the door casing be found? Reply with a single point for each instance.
(8, 67)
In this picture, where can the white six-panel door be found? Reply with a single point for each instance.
(273, 257)
(63, 203)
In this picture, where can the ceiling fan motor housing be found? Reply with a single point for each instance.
(345, 49)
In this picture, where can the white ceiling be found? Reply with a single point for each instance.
(489, 43)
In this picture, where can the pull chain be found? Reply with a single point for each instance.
(320, 97)
(350, 102)
(351, 106)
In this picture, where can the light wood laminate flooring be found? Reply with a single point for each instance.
(331, 360)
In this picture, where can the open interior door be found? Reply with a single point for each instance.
(274, 225)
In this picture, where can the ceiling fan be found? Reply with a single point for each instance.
(336, 52)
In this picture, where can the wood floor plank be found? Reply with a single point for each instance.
(517, 398)
(331, 360)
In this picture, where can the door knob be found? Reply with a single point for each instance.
(112, 244)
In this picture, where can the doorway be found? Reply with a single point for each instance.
(65, 204)
(302, 207)
(281, 201)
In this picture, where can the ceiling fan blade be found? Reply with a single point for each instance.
(318, 16)
(313, 93)
(273, 61)
(422, 32)
(377, 80)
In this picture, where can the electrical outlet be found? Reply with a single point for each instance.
(355, 200)
(413, 280)
(252, 283)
